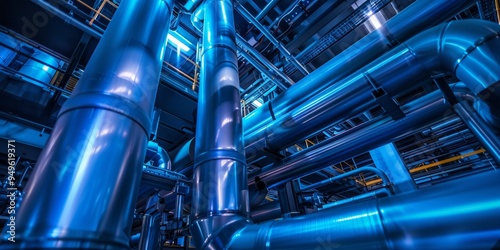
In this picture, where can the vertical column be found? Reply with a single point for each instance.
(220, 195)
(83, 188)
(387, 159)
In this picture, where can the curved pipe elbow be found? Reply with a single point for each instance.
(197, 17)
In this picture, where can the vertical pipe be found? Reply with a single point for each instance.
(480, 129)
(82, 191)
(220, 195)
(150, 232)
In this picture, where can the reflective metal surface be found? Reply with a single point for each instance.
(362, 138)
(415, 18)
(41, 67)
(438, 50)
(83, 189)
(220, 195)
(387, 159)
(461, 214)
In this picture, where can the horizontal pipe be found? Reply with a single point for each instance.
(244, 45)
(460, 214)
(373, 194)
(465, 49)
(371, 134)
(376, 171)
(261, 68)
(417, 17)
(271, 38)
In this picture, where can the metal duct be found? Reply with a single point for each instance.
(460, 214)
(371, 134)
(466, 49)
(158, 156)
(415, 18)
(220, 195)
(83, 189)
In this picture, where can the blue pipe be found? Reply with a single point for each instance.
(84, 186)
(220, 191)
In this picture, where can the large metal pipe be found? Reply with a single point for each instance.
(259, 62)
(369, 135)
(83, 189)
(158, 156)
(265, 212)
(460, 214)
(466, 49)
(417, 17)
(271, 38)
(220, 192)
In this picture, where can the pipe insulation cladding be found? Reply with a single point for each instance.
(419, 16)
(83, 189)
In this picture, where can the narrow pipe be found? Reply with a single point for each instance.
(83, 189)
(417, 17)
(480, 129)
(244, 45)
(376, 171)
(465, 49)
(67, 18)
(220, 192)
(454, 215)
(373, 194)
(271, 38)
(269, 6)
(362, 138)
(259, 62)
(262, 69)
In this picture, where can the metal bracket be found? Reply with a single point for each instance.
(388, 104)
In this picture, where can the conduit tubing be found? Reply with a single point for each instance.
(271, 38)
(371, 134)
(467, 49)
(417, 17)
(376, 171)
(453, 215)
(83, 189)
(220, 191)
